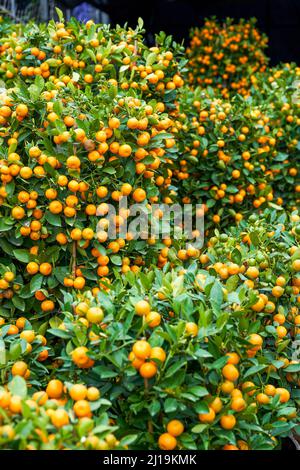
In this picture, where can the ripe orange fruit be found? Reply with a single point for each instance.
(22, 110)
(59, 418)
(95, 315)
(207, 417)
(228, 421)
(175, 427)
(55, 207)
(238, 404)
(135, 361)
(28, 335)
(78, 392)
(216, 404)
(153, 319)
(191, 329)
(20, 323)
(47, 305)
(15, 404)
(32, 268)
(45, 269)
(252, 272)
(18, 213)
(142, 307)
(61, 238)
(82, 408)
(249, 388)
(284, 394)
(79, 282)
(270, 390)
(277, 291)
(227, 386)
(93, 394)
(281, 331)
(230, 372)
(296, 265)
(262, 398)
(73, 162)
(4, 398)
(80, 357)
(158, 353)
(148, 370)
(69, 121)
(40, 397)
(233, 358)
(125, 150)
(139, 195)
(19, 368)
(54, 389)
(167, 442)
(256, 340)
(126, 189)
(141, 349)
(114, 123)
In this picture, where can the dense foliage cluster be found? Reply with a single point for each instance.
(124, 343)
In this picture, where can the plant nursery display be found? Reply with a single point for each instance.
(115, 337)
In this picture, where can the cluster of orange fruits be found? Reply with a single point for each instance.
(190, 347)
(145, 358)
(224, 55)
(98, 135)
(167, 440)
(235, 155)
(51, 410)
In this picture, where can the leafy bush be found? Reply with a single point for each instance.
(225, 55)
(212, 343)
(73, 141)
(147, 344)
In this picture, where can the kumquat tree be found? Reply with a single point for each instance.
(149, 239)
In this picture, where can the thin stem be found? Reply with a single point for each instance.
(150, 424)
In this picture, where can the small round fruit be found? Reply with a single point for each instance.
(167, 442)
(175, 427)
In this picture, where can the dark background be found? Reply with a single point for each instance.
(279, 19)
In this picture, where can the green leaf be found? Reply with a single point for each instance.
(127, 440)
(232, 283)
(15, 350)
(117, 260)
(18, 303)
(236, 256)
(198, 391)
(254, 238)
(53, 219)
(199, 428)
(36, 282)
(60, 333)
(22, 255)
(104, 372)
(151, 58)
(18, 387)
(6, 247)
(6, 224)
(170, 405)
(201, 407)
(2, 352)
(292, 368)
(174, 368)
(254, 370)
(154, 407)
(219, 363)
(60, 15)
